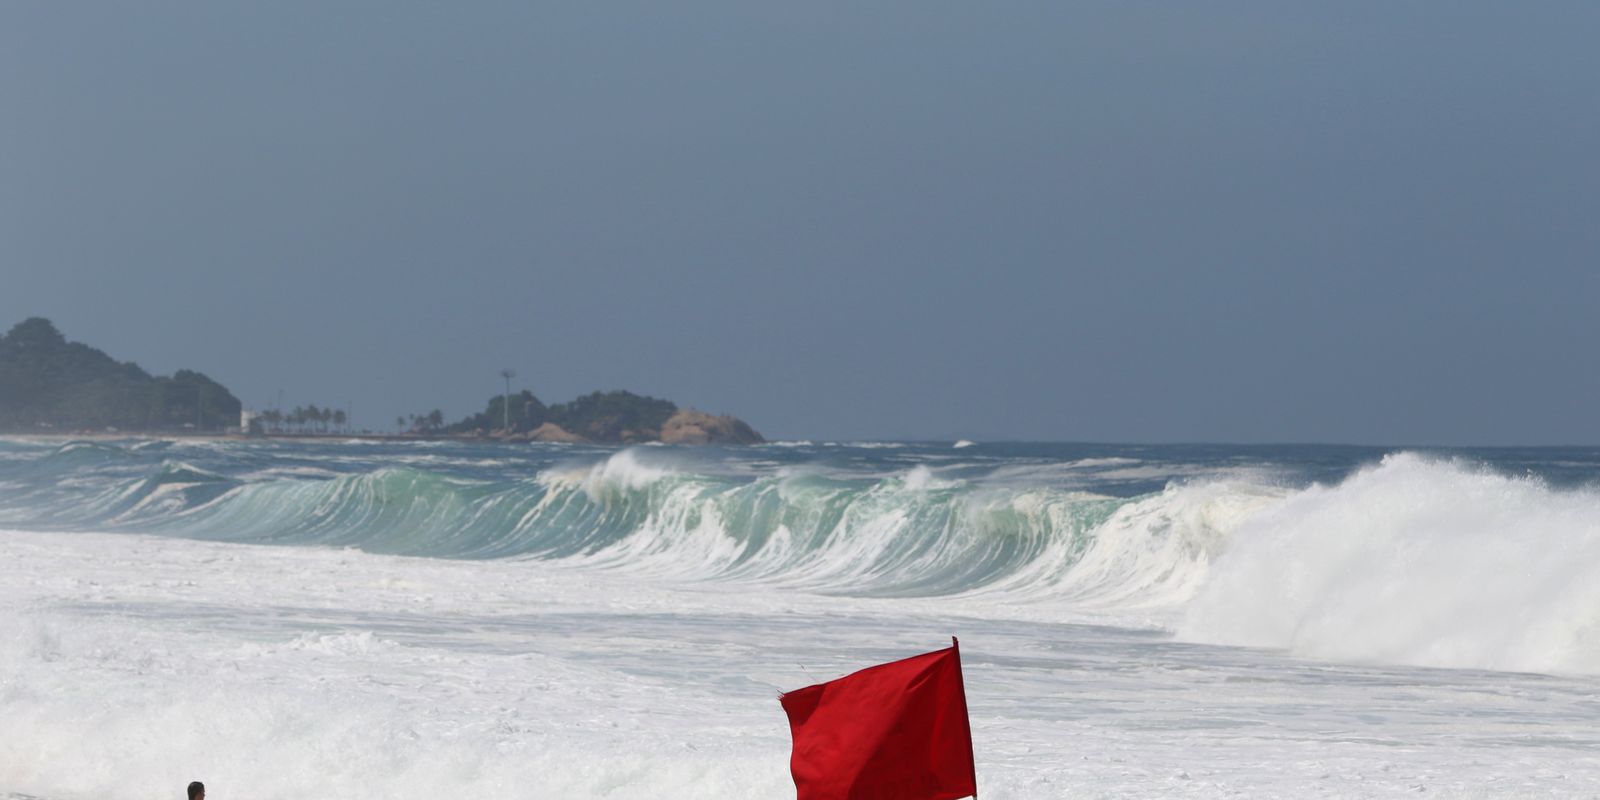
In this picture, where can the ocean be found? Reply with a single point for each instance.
(382, 619)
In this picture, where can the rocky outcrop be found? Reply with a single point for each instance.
(551, 432)
(688, 426)
(616, 417)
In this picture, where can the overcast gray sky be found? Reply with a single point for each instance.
(1344, 222)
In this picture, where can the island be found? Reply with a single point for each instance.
(49, 385)
(616, 417)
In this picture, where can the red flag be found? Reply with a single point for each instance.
(897, 731)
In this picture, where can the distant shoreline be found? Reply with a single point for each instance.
(58, 389)
(240, 437)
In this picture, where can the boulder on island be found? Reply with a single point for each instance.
(688, 426)
(551, 432)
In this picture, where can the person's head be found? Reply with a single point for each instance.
(197, 791)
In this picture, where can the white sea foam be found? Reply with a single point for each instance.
(1416, 561)
(296, 472)
(1094, 463)
(921, 478)
(130, 666)
(622, 471)
(1143, 563)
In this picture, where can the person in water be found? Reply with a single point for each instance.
(197, 791)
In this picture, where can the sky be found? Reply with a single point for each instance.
(1362, 222)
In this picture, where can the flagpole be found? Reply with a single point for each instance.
(955, 644)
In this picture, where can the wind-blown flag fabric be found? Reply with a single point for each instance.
(896, 731)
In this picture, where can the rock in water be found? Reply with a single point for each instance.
(688, 426)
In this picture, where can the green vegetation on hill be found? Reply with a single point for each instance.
(608, 417)
(613, 416)
(527, 413)
(48, 383)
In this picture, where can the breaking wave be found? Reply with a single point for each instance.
(910, 534)
(1414, 559)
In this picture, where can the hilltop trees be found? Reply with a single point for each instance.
(527, 413)
(608, 417)
(613, 416)
(47, 382)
